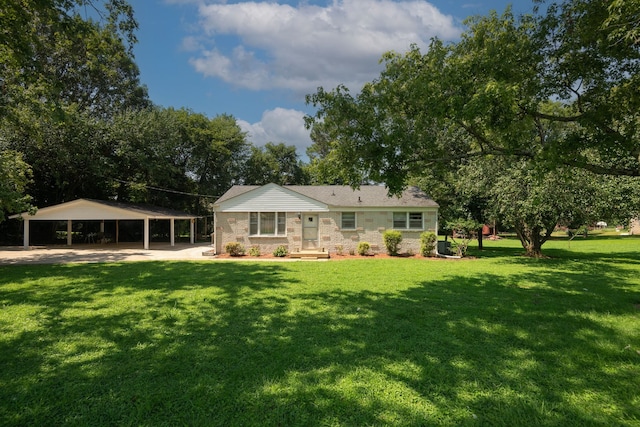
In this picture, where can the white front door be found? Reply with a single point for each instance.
(309, 231)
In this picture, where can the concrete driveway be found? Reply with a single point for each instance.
(102, 253)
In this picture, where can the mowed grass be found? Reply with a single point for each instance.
(496, 340)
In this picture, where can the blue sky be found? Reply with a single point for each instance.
(256, 60)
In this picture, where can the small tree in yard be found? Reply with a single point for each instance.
(392, 240)
(464, 230)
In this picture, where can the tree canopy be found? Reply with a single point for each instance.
(560, 88)
(15, 175)
(76, 122)
(63, 65)
(134, 156)
(277, 163)
(59, 52)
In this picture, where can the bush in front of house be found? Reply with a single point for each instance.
(428, 241)
(392, 240)
(234, 248)
(254, 251)
(363, 248)
(280, 251)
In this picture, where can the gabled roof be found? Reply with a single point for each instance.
(89, 209)
(268, 198)
(367, 196)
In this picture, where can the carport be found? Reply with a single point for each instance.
(100, 210)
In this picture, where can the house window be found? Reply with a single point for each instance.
(282, 223)
(253, 223)
(267, 223)
(399, 220)
(415, 220)
(411, 220)
(348, 220)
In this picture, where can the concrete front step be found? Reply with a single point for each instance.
(309, 254)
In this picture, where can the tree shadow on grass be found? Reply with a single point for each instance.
(251, 344)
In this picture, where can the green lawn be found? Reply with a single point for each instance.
(497, 340)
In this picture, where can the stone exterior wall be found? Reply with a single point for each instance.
(634, 227)
(234, 227)
(371, 225)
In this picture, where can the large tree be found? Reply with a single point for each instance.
(149, 154)
(217, 153)
(56, 52)
(164, 156)
(277, 163)
(533, 203)
(322, 168)
(503, 86)
(64, 65)
(65, 153)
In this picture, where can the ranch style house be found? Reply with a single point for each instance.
(327, 218)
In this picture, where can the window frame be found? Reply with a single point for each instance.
(404, 220)
(421, 226)
(256, 220)
(407, 220)
(355, 221)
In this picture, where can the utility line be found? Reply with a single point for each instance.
(166, 190)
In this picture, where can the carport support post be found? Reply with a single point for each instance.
(25, 240)
(69, 232)
(215, 234)
(146, 232)
(173, 231)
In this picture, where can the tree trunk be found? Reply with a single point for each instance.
(480, 238)
(531, 240)
(534, 249)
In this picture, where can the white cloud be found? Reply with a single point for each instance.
(279, 46)
(278, 125)
(191, 44)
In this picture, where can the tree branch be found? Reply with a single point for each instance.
(554, 118)
(603, 170)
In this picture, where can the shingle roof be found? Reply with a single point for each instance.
(150, 210)
(234, 191)
(345, 196)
